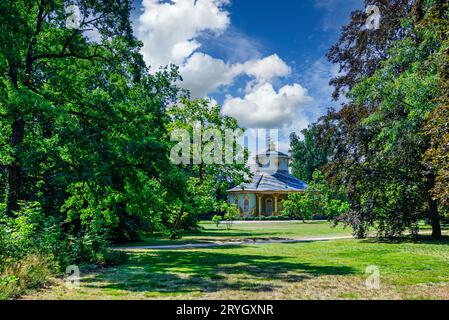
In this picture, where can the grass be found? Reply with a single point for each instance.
(241, 231)
(20, 277)
(315, 270)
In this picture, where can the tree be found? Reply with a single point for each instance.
(437, 127)
(83, 121)
(318, 199)
(359, 52)
(231, 213)
(216, 220)
(377, 136)
(37, 55)
(437, 122)
(301, 206)
(307, 154)
(211, 173)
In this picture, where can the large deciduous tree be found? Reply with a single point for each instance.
(393, 79)
(83, 121)
(212, 157)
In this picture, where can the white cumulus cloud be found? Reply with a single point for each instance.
(203, 74)
(266, 68)
(264, 107)
(173, 32)
(168, 29)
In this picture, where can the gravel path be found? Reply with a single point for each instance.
(234, 243)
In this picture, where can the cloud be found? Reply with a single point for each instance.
(182, 31)
(265, 69)
(264, 107)
(232, 45)
(169, 29)
(203, 74)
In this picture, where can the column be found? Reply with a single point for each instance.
(260, 204)
(276, 213)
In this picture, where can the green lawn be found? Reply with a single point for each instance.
(239, 232)
(315, 270)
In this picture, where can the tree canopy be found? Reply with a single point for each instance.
(386, 143)
(85, 143)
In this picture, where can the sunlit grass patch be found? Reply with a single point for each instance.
(317, 270)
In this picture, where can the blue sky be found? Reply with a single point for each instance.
(263, 61)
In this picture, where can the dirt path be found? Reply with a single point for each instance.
(231, 243)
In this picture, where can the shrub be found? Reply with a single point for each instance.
(217, 220)
(33, 247)
(232, 212)
(31, 272)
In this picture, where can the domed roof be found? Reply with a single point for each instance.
(279, 181)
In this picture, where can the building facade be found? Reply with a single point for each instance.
(270, 186)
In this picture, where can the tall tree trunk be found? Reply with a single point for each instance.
(435, 219)
(434, 215)
(14, 170)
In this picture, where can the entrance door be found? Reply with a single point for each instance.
(269, 207)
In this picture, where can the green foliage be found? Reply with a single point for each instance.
(318, 199)
(84, 149)
(31, 272)
(231, 214)
(435, 158)
(216, 220)
(30, 246)
(192, 115)
(308, 154)
(394, 81)
(201, 187)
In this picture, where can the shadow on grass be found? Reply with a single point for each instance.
(203, 237)
(178, 272)
(229, 234)
(420, 239)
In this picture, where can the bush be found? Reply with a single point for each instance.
(33, 247)
(31, 272)
(232, 212)
(217, 220)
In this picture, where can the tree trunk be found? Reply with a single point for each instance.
(14, 170)
(434, 219)
(434, 215)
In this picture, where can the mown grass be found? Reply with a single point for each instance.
(316, 270)
(241, 231)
